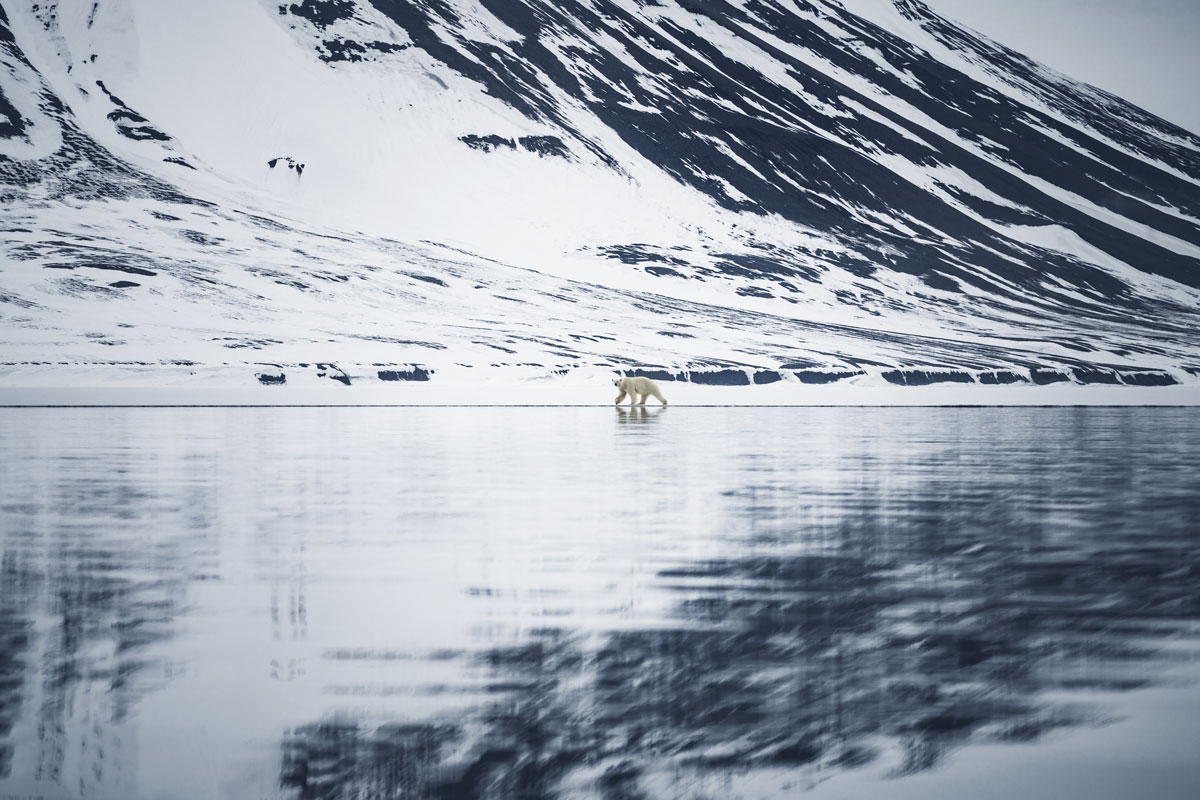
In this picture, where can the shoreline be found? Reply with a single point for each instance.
(189, 384)
(544, 395)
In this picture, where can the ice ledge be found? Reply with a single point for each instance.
(560, 393)
(186, 383)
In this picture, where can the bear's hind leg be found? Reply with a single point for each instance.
(642, 399)
(660, 398)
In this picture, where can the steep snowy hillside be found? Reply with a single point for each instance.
(745, 191)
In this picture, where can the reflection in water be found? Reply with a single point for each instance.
(638, 414)
(83, 597)
(518, 603)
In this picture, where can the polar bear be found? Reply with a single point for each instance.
(635, 387)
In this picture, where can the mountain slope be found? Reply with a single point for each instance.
(789, 190)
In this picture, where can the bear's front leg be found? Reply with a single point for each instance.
(620, 397)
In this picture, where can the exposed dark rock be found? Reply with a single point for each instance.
(720, 377)
(1148, 378)
(196, 237)
(12, 124)
(426, 278)
(1044, 377)
(1090, 375)
(333, 50)
(129, 123)
(103, 265)
(639, 253)
(774, 267)
(487, 143)
(333, 372)
(1001, 376)
(411, 374)
(920, 377)
(653, 374)
(767, 376)
(936, 280)
(271, 379)
(541, 145)
(321, 13)
(545, 146)
(289, 162)
(395, 340)
(814, 376)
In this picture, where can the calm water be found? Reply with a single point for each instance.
(591, 603)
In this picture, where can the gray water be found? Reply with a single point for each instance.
(599, 603)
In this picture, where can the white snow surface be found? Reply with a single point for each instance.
(398, 247)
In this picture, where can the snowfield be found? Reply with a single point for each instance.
(511, 201)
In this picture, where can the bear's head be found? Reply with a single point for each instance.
(617, 381)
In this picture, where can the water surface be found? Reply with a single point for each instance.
(598, 603)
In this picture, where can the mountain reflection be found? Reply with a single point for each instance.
(871, 618)
(456, 604)
(90, 588)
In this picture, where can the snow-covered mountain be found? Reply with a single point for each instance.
(737, 191)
